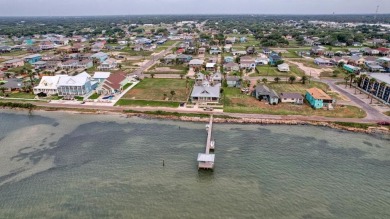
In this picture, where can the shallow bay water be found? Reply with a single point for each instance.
(62, 165)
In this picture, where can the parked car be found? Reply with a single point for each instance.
(208, 109)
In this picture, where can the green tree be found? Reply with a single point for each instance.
(2, 89)
(304, 79)
(264, 80)
(291, 79)
(152, 75)
(173, 93)
(346, 79)
(277, 79)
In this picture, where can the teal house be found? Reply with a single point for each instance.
(351, 68)
(33, 58)
(318, 99)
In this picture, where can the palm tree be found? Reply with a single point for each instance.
(31, 76)
(362, 78)
(152, 75)
(346, 79)
(264, 80)
(165, 96)
(181, 76)
(355, 81)
(370, 86)
(383, 85)
(291, 79)
(352, 77)
(2, 89)
(277, 79)
(258, 81)
(304, 79)
(172, 94)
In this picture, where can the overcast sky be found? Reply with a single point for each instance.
(130, 7)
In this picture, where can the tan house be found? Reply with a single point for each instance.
(14, 63)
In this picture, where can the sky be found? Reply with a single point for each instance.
(137, 7)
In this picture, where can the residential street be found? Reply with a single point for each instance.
(372, 113)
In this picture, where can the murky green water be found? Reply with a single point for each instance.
(59, 165)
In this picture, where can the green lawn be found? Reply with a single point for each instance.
(297, 87)
(265, 70)
(94, 96)
(151, 103)
(290, 54)
(127, 86)
(155, 88)
(15, 53)
(236, 102)
(22, 95)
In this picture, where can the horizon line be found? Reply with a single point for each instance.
(216, 14)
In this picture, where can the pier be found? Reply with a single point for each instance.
(206, 160)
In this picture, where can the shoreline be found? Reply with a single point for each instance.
(217, 119)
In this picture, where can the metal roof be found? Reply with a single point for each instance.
(206, 157)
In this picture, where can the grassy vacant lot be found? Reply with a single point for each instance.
(26, 66)
(22, 95)
(15, 53)
(296, 87)
(265, 70)
(153, 89)
(236, 102)
(127, 102)
(290, 54)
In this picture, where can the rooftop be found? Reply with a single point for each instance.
(318, 94)
(383, 77)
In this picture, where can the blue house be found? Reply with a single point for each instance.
(274, 58)
(229, 59)
(100, 56)
(33, 58)
(243, 39)
(318, 99)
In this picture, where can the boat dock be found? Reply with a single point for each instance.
(206, 160)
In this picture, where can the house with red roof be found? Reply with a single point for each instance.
(383, 51)
(113, 84)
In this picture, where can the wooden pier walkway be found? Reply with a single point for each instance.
(206, 160)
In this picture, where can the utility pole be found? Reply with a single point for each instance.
(376, 12)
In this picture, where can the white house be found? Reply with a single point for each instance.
(109, 64)
(284, 67)
(48, 85)
(78, 85)
(101, 76)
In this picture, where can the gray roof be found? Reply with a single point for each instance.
(13, 83)
(264, 90)
(291, 95)
(206, 91)
(232, 78)
(384, 77)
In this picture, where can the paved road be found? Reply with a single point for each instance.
(154, 59)
(181, 110)
(372, 113)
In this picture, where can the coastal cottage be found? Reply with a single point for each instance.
(196, 63)
(100, 57)
(113, 84)
(233, 81)
(231, 66)
(284, 67)
(262, 92)
(318, 99)
(295, 98)
(14, 63)
(108, 64)
(78, 85)
(32, 58)
(101, 76)
(48, 85)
